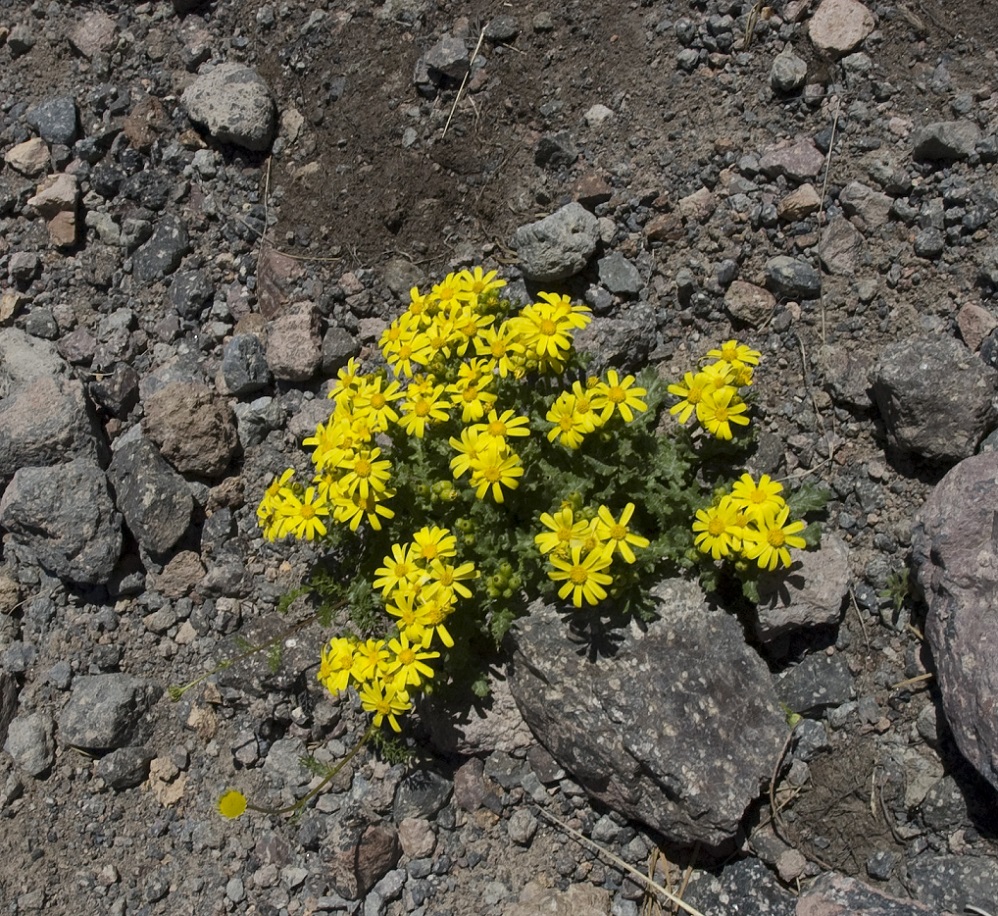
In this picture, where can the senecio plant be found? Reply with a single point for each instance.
(482, 466)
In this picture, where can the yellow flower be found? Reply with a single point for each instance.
(570, 426)
(499, 427)
(495, 467)
(352, 508)
(468, 447)
(564, 531)
(757, 499)
(364, 473)
(767, 539)
(478, 282)
(370, 399)
(370, 660)
(302, 516)
(336, 664)
(420, 410)
(232, 804)
(431, 542)
(736, 354)
(617, 532)
(583, 577)
(718, 409)
(503, 347)
(718, 528)
(619, 394)
(447, 580)
(385, 700)
(691, 391)
(408, 662)
(399, 569)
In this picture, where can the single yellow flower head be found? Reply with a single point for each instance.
(232, 804)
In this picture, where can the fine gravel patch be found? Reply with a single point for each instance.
(207, 208)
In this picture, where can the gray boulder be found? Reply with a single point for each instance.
(104, 711)
(935, 397)
(234, 104)
(29, 742)
(558, 246)
(64, 516)
(956, 563)
(835, 893)
(154, 499)
(945, 141)
(809, 595)
(651, 730)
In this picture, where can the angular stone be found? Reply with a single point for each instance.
(55, 120)
(193, 427)
(839, 27)
(30, 158)
(949, 883)
(688, 752)
(799, 160)
(65, 517)
(619, 275)
(558, 246)
(162, 253)
(104, 711)
(56, 194)
(799, 203)
(935, 397)
(124, 768)
(359, 853)
(94, 34)
(44, 421)
(234, 104)
(818, 682)
(955, 558)
(448, 58)
(749, 304)
(788, 73)
(793, 279)
(294, 345)
(945, 141)
(154, 499)
(975, 323)
(29, 742)
(840, 248)
(810, 594)
(873, 207)
(244, 366)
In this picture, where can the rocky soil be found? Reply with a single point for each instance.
(206, 208)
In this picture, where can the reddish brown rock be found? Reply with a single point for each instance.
(194, 428)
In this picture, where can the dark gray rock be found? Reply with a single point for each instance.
(118, 392)
(448, 58)
(55, 120)
(845, 372)
(955, 560)
(8, 701)
(63, 515)
(929, 243)
(421, 793)
(162, 253)
(835, 893)
(558, 246)
(190, 291)
(935, 397)
(502, 29)
(742, 888)
(687, 753)
(154, 499)
(619, 275)
(945, 141)
(818, 682)
(104, 711)
(622, 341)
(808, 595)
(29, 742)
(950, 883)
(124, 768)
(944, 807)
(244, 366)
(556, 151)
(792, 279)
(235, 105)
